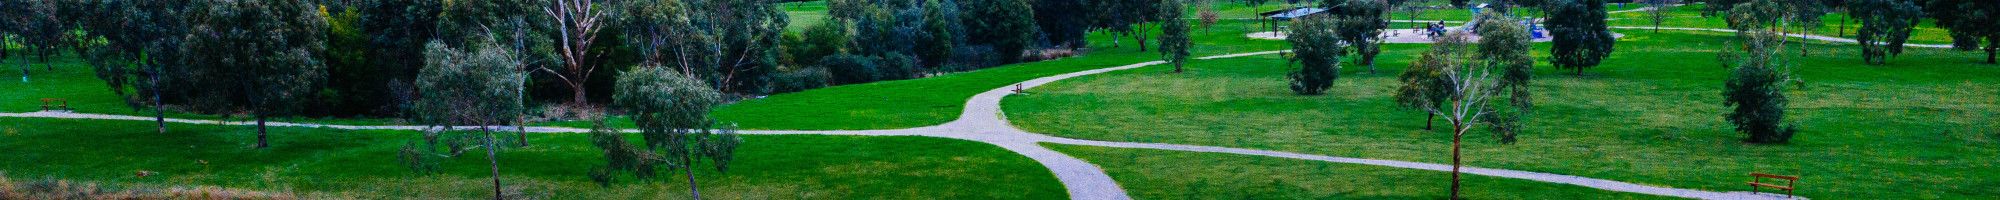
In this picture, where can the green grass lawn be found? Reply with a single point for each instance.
(1690, 16)
(936, 100)
(363, 164)
(804, 14)
(1159, 174)
(1922, 127)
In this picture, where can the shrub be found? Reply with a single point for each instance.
(1049, 54)
(974, 57)
(850, 69)
(1319, 51)
(896, 67)
(1757, 93)
(800, 80)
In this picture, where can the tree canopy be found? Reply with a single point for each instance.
(1970, 21)
(1006, 25)
(1174, 33)
(1582, 40)
(262, 57)
(1885, 27)
(1318, 49)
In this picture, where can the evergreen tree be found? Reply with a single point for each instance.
(671, 111)
(482, 88)
(1318, 49)
(1581, 38)
(1007, 25)
(395, 32)
(39, 27)
(1756, 87)
(1063, 22)
(139, 39)
(1361, 24)
(262, 57)
(1969, 21)
(1885, 27)
(935, 48)
(1504, 46)
(1174, 41)
(1125, 18)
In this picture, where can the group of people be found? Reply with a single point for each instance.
(1436, 29)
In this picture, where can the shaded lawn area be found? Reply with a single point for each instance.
(1922, 127)
(1160, 174)
(363, 164)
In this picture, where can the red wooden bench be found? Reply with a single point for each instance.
(59, 103)
(1756, 181)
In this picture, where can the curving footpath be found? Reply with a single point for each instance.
(1796, 35)
(983, 121)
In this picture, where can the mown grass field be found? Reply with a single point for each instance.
(1158, 174)
(936, 100)
(363, 164)
(1923, 126)
(1690, 16)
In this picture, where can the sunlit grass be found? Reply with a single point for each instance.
(1921, 127)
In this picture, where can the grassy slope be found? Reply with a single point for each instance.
(362, 164)
(1921, 127)
(935, 100)
(1156, 174)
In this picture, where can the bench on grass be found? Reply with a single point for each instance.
(58, 103)
(1756, 181)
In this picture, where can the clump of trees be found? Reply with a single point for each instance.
(137, 46)
(1970, 21)
(1006, 25)
(671, 111)
(1317, 48)
(1361, 23)
(1063, 22)
(1581, 38)
(1123, 18)
(40, 26)
(1885, 27)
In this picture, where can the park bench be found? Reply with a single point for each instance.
(1756, 181)
(59, 103)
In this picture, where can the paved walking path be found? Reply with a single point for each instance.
(983, 121)
(1796, 35)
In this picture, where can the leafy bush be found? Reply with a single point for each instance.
(974, 57)
(1319, 50)
(800, 80)
(850, 69)
(1757, 93)
(897, 67)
